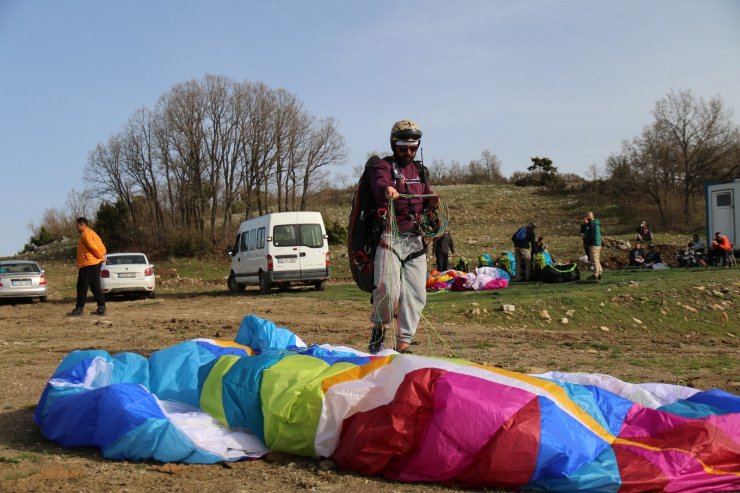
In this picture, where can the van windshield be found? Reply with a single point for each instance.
(308, 235)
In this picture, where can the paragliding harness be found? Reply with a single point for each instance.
(560, 273)
(367, 223)
(507, 262)
(462, 265)
(539, 262)
(485, 260)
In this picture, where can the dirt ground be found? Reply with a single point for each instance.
(34, 337)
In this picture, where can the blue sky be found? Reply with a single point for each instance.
(567, 79)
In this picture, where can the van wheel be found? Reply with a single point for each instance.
(234, 287)
(320, 285)
(264, 283)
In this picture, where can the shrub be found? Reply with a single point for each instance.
(337, 234)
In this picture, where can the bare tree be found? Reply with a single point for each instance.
(699, 137)
(105, 173)
(691, 141)
(492, 164)
(326, 147)
(141, 165)
(183, 111)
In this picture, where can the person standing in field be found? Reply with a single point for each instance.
(400, 183)
(443, 246)
(593, 240)
(90, 256)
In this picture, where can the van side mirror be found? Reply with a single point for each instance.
(229, 252)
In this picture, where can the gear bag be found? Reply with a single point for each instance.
(560, 273)
(520, 235)
(507, 262)
(366, 224)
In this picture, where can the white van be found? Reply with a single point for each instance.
(278, 250)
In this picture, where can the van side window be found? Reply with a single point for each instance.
(284, 235)
(311, 236)
(261, 238)
(253, 239)
(245, 241)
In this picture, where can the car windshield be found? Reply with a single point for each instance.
(126, 259)
(17, 268)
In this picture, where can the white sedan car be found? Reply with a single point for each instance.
(22, 279)
(127, 273)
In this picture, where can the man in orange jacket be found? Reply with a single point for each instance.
(720, 249)
(90, 255)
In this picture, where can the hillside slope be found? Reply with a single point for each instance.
(483, 218)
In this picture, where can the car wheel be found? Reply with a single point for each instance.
(151, 294)
(43, 299)
(234, 286)
(320, 285)
(264, 283)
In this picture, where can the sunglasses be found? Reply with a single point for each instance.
(411, 149)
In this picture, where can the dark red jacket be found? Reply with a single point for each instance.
(408, 183)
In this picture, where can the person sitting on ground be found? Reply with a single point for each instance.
(539, 246)
(637, 255)
(698, 245)
(687, 257)
(643, 233)
(720, 249)
(653, 257)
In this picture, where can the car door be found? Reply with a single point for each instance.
(311, 254)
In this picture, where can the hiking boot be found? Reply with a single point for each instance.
(101, 311)
(377, 337)
(77, 312)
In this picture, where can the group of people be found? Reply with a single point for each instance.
(526, 246)
(639, 258)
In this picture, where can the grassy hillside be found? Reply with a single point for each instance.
(483, 218)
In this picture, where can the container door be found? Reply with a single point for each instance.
(723, 214)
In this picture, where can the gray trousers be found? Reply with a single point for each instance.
(523, 258)
(400, 291)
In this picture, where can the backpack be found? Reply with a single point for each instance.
(541, 260)
(507, 262)
(366, 225)
(485, 260)
(462, 265)
(520, 235)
